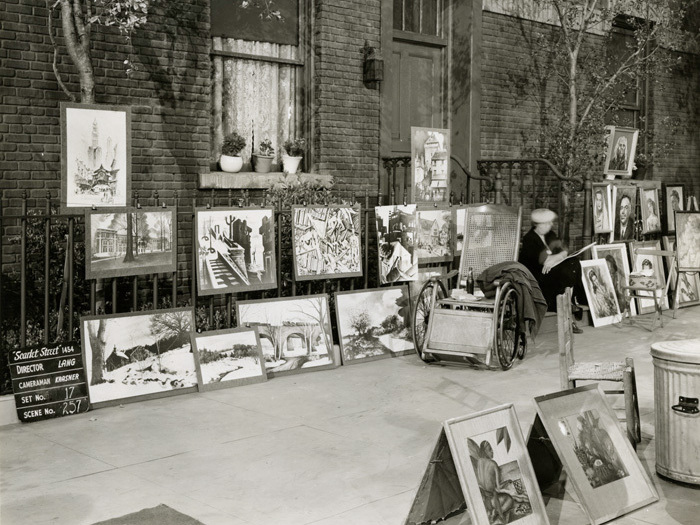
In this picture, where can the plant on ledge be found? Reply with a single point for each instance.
(294, 149)
(264, 156)
(230, 159)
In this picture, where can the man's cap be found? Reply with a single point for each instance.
(541, 215)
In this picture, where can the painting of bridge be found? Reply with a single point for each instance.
(295, 332)
(235, 250)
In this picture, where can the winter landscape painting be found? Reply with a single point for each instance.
(374, 323)
(295, 332)
(138, 354)
(430, 165)
(226, 358)
(235, 250)
(130, 241)
(326, 242)
(96, 157)
(434, 232)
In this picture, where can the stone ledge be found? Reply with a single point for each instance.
(253, 180)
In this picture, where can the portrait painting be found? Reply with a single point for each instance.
(602, 208)
(650, 267)
(434, 233)
(396, 235)
(138, 354)
(688, 240)
(600, 292)
(235, 250)
(600, 463)
(619, 160)
(494, 468)
(227, 358)
(326, 242)
(130, 241)
(295, 332)
(625, 201)
(374, 324)
(651, 221)
(95, 156)
(674, 195)
(616, 258)
(430, 165)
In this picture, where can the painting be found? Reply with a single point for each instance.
(430, 165)
(651, 266)
(688, 240)
(373, 324)
(295, 332)
(602, 208)
(227, 358)
(326, 242)
(605, 471)
(688, 289)
(138, 355)
(600, 292)
(434, 233)
(625, 201)
(460, 229)
(674, 194)
(130, 241)
(649, 205)
(619, 160)
(494, 468)
(617, 260)
(235, 250)
(396, 234)
(95, 156)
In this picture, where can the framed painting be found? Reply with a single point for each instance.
(430, 165)
(602, 208)
(235, 249)
(130, 241)
(435, 230)
(373, 324)
(396, 235)
(625, 202)
(619, 160)
(688, 289)
(494, 468)
(600, 292)
(604, 469)
(295, 332)
(649, 205)
(326, 242)
(669, 243)
(95, 156)
(674, 195)
(227, 358)
(688, 240)
(616, 257)
(650, 266)
(138, 355)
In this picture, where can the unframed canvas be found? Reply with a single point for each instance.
(374, 324)
(435, 230)
(494, 468)
(598, 458)
(600, 292)
(396, 235)
(602, 208)
(430, 165)
(144, 355)
(95, 156)
(227, 358)
(688, 239)
(616, 257)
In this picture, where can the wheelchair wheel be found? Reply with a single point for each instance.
(507, 333)
(421, 314)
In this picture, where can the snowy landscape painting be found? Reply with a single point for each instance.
(138, 354)
(130, 241)
(226, 358)
(96, 157)
(374, 323)
(295, 332)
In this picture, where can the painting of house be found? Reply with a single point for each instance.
(430, 165)
(435, 231)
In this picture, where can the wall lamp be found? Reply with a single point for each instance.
(372, 67)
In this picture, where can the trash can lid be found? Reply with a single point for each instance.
(683, 351)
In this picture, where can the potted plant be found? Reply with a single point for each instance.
(230, 159)
(264, 156)
(294, 152)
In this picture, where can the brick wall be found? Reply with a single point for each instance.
(346, 112)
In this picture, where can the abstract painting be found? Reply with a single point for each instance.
(434, 232)
(396, 234)
(430, 165)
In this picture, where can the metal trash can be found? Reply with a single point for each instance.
(676, 393)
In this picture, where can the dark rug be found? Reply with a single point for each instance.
(160, 515)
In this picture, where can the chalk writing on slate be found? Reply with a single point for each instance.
(48, 381)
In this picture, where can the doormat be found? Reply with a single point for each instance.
(160, 515)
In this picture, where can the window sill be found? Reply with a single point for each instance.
(252, 180)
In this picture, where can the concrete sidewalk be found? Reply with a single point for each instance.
(344, 446)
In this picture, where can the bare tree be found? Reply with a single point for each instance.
(96, 335)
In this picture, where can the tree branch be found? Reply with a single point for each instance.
(54, 64)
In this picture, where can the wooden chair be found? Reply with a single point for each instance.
(618, 372)
(651, 290)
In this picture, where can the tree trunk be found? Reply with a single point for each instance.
(97, 344)
(129, 255)
(76, 34)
